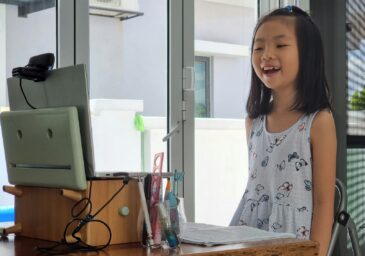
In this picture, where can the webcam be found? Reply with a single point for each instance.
(37, 68)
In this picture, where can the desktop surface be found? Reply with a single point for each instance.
(19, 246)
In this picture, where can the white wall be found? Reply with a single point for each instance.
(231, 82)
(223, 22)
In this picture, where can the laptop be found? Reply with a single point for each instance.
(43, 148)
(63, 87)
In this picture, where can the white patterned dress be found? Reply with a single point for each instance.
(278, 194)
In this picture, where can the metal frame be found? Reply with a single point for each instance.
(342, 218)
(73, 33)
(331, 23)
(189, 102)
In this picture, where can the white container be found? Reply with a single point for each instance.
(117, 144)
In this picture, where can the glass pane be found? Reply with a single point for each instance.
(356, 190)
(128, 76)
(202, 74)
(355, 11)
(223, 32)
(26, 30)
(355, 58)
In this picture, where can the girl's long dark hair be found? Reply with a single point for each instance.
(312, 92)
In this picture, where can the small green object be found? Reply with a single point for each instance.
(124, 211)
(138, 123)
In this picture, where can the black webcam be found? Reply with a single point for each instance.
(37, 68)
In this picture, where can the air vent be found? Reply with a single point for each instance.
(121, 9)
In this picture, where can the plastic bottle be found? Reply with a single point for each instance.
(169, 233)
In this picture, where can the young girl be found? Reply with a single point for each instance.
(290, 131)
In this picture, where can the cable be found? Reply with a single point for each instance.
(79, 244)
(25, 97)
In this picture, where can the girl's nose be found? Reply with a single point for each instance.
(267, 55)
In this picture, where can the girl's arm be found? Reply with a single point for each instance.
(324, 144)
(248, 124)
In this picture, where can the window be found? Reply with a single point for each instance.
(202, 87)
(27, 28)
(356, 114)
(128, 68)
(223, 32)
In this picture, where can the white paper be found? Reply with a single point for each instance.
(204, 234)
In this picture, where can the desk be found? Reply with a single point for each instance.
(291, 247)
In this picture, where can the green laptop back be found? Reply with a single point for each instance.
(43, 148)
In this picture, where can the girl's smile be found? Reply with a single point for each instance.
(270, 70)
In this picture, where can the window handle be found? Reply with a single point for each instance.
(172, 133)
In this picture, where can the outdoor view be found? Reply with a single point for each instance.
(355, 44)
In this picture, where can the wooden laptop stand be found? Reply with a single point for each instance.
(43, 213)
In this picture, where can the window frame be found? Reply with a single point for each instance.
(73, 48)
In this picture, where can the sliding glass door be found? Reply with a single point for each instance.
(27, 28)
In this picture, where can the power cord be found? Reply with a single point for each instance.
(25, 97)
(79, 244)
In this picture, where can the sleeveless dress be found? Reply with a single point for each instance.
(278, 194)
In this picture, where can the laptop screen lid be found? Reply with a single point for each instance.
(63, 87)
(43, 148)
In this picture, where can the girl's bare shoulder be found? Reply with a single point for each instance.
(323, 119)
(323, 125)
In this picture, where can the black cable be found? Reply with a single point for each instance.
(80, 245)
(25, 97)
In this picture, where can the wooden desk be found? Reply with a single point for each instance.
(279, 247)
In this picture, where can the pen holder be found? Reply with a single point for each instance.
(167, 230)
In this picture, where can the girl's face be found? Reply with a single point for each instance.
(275, 55)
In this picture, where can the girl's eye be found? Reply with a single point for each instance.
(282, 45)
(257, 49)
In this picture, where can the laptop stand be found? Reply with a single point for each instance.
(43, 213)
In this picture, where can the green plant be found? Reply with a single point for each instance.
(358, 100)
(200, 110)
